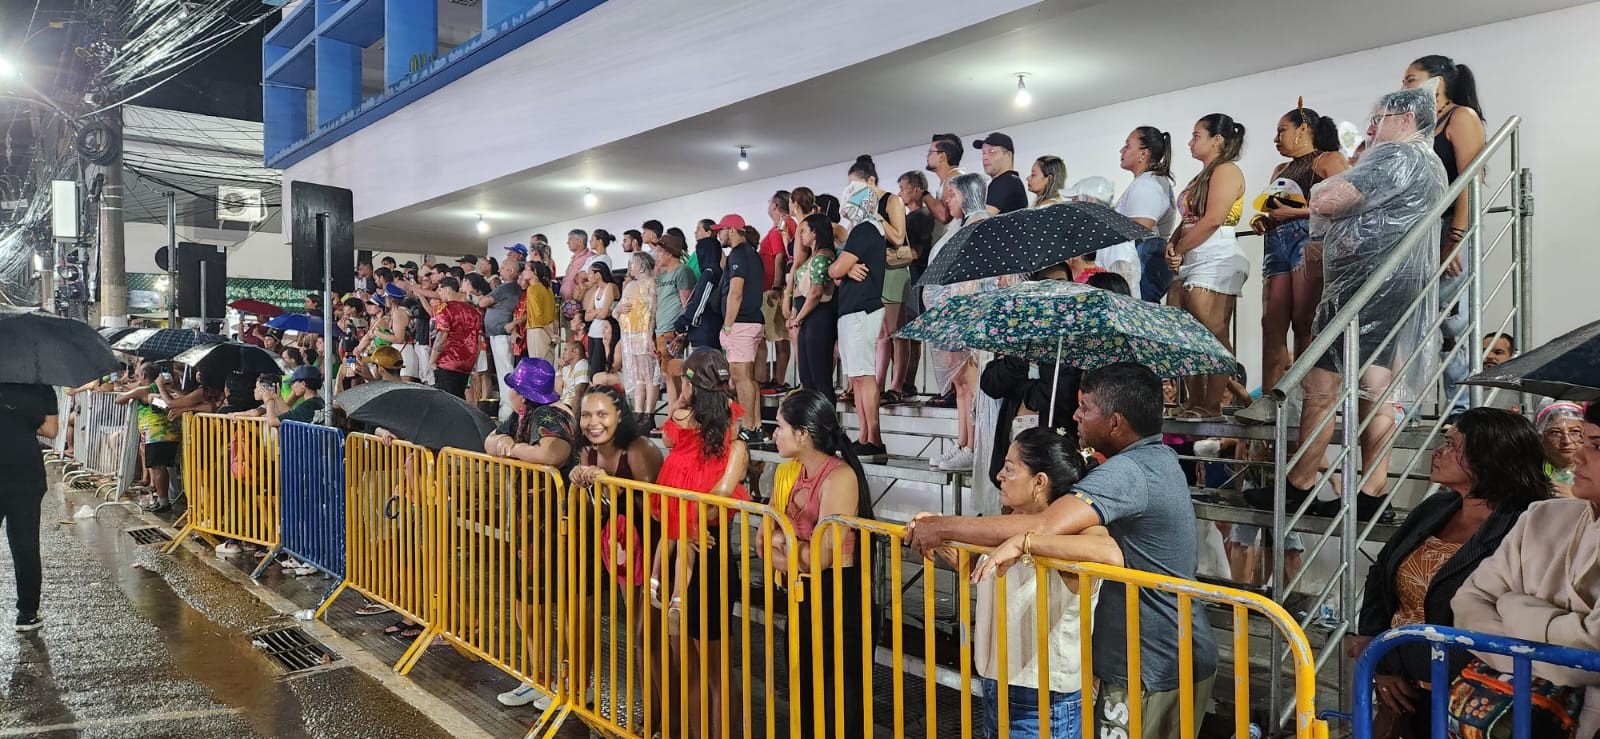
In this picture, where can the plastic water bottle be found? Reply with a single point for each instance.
(1255, 730)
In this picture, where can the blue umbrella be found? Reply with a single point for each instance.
(299, 323)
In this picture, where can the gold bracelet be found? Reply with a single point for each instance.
(1027, 543)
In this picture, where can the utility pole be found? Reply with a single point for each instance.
(113, 253)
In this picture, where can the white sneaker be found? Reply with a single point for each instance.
(939, 458)
(960, 461)
(522, 695)
(227, 549)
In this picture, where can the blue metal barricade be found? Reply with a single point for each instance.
(311, 464)
(1522, 653)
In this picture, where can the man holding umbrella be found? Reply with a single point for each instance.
(26, 413)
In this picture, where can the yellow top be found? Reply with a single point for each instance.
(540, 304)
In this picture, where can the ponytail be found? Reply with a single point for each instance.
(1159, 144)
(810, 411)
(1324, 132)
(1232, 133)
(1460, 86)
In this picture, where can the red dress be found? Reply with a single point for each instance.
(687, 468)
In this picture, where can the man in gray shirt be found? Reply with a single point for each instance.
(498, 308)
(1140, 495)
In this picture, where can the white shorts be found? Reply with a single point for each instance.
(483, 362)
(415, 358)
(858, 343)
(1218, 265)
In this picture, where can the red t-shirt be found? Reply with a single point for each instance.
(771, 247)
(464, 325)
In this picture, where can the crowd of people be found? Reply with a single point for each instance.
(579, 368)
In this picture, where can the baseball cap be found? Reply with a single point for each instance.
(467, 259)
(304, 372)
(386, 357)
(518, 249)
(731, 220)
(996, 139)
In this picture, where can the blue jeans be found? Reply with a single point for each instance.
(1066, 712)
(1284, 247)
(1155, 276)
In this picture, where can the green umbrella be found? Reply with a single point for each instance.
(1053, 321)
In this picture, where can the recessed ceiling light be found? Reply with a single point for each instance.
(590, 200)
(744, 158)
(1023, 98)
(483, 226)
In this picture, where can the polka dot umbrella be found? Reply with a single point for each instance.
(1026, 241)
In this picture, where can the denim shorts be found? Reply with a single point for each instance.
(1285, 247)
(1022, 707)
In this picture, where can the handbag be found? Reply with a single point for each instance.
(1481, 700)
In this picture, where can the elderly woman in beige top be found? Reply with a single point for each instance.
(1543, 583)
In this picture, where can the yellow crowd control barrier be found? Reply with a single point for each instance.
(392, 538)
(230, 478)
(834, 608)
(501, 566)
(675, 597)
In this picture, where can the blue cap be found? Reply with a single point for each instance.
(518, 248)
(304, 372)
(394, 291)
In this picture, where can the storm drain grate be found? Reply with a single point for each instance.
(149, 535)
(292, 649)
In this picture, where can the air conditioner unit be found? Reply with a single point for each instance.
(240, 204)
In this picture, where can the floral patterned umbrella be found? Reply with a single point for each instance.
(1060, 322)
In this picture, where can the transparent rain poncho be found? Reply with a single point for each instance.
(1361, 216)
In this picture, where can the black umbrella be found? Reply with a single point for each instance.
(112, 333)
(420, 414)
(1565, 369)
(42, 349)
(231, 357)
(165, 343)
(1026, 241)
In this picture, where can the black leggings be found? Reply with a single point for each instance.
(840, 683)
(819, 333)
(20, 509)
(601, 351)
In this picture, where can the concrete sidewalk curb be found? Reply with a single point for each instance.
(449, 718)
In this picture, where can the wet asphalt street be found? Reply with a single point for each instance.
(140, 644)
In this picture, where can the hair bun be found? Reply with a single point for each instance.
(864, 159)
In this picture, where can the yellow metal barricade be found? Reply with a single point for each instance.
(501, 567)
(913, 669)
(676, 598)
(392, 538)
(230, 478)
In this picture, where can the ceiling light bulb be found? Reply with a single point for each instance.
(744, 159)
(483, 226)
(589, 199)
(1023, 98)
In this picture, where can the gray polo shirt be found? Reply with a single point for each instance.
(496, 316)
(1143, 499)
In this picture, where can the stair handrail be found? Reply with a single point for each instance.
(1322, 342)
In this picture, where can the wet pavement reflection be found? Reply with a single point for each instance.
(139, 644)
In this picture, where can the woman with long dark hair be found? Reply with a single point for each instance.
(1491, 468)
(603, 328)
(812, 319)
(831, 482)
(1291, 270)
(1211, 267)
(1147, 153)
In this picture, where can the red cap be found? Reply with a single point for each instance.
(731, 220)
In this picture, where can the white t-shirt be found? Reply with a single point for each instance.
(1150, 196)
(571, 377)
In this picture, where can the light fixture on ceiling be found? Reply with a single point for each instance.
(483, 226)
(590, 200)
(1023, 98)
(744, 158)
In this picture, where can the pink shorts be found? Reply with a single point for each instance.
(740, 342)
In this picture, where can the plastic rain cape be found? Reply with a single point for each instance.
(1361, 216)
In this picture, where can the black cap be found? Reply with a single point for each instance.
(996, 139)
(468, 259)
(409, 265)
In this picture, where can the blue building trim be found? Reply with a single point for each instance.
(401, 25)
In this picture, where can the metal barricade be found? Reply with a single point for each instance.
(392, 534)
(231, 480)
(1443, 639)
(98, 438)
(312, 522)
(919, 685)
(674, 608)
(501, 566)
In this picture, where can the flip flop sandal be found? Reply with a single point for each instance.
(395, 628)
(372, 609)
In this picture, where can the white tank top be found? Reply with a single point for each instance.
(1022, 632)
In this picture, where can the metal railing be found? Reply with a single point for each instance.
(1343, 334)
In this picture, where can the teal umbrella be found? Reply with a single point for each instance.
(1053, 321)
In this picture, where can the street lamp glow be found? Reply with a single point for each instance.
(7, 69)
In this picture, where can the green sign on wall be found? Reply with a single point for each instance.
(146, 294)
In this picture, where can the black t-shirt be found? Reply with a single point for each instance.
(421, 325)
(23, 409)
(866, 242)
(744, 262)
(919, 236)
(1006, 193)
